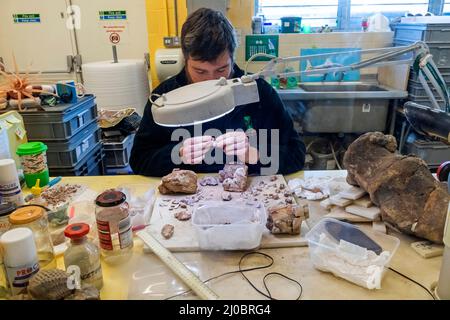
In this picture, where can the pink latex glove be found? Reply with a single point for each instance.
(194, 149)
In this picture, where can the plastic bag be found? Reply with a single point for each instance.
(140, 200)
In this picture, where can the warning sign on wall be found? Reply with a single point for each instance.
(114, 25)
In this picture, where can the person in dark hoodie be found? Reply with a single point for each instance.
(208, 44)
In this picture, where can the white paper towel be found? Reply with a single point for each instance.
(118, 85)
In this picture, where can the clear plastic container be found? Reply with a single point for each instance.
(229, 226)
(349, 252)
(35, 218)
(33, 156)
(114, 226)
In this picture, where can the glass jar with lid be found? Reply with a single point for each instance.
(84, 254)
(35, 218)
(114, 226)
(6, 209)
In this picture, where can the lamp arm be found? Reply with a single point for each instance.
(426, 65)
(387, 53)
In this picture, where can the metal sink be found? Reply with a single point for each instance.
(338, 90)
(347, 107)
(340, 87)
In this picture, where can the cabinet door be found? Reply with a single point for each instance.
(37, 34)
(104, 22)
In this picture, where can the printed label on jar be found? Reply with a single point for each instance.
(92, 273)
(125, 233)
(104, 235)
(11, 192)
(115, 236)
(18, 277)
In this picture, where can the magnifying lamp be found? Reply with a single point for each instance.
(203, 101)
(208, 100)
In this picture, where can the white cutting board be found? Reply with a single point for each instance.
(184, 237)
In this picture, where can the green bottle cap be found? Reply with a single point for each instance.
(31, 148)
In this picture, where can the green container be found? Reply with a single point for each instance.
(291, 25)
(33, 157)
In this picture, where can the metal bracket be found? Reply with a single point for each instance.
(147, 60)
(77, 62)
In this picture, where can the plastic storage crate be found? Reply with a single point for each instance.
(119, 171)
(66, 154)
(60, 122)
(445, 72)
(439, 50)
(434, 153)
(418, 90)
(428, 33)
(117, 154)
(91, 165)
(425, 100)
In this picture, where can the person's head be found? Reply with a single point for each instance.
(208, 43)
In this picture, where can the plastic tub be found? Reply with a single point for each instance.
(356, 255)
(229, 226)
(33, 156)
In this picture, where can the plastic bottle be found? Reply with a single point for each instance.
(20, 258)
(10, 190)
(84, 254)
(34, 217)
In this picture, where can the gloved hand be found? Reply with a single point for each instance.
(236, 144)
(194, 149)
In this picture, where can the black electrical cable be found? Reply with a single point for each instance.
(414, 281)
(241, 271)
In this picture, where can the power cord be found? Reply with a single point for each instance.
(414, 281)
(241, 271)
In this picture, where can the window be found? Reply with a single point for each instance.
(314, 13)
(447, 7)
(390, 8)
(317, 13)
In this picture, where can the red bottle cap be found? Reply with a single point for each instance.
(76, 230)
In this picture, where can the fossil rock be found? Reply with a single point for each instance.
(87, 292)
(409, 197)
(286, 218)
(167, 231)
(234, 177)
(209, 181)
(226, 196)
(179, 181)
(183, 215)
(49, 284)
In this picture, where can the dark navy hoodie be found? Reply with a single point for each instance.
(152, 149)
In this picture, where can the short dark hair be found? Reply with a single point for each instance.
(206, 34)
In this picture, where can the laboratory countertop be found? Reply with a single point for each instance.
(144, 276)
